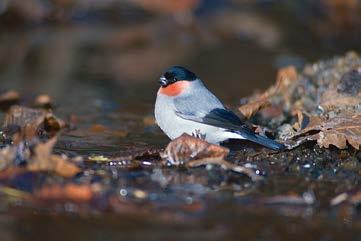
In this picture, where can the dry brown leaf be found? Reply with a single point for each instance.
(186, 148)
(338, 131)
(33, 121)
(306, 123)
(285, 77)
(250, 109)
(44, 160)
(332, 99)
(194, 152)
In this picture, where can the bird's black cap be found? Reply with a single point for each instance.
(176, 73)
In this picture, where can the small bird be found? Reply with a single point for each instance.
(185, 105)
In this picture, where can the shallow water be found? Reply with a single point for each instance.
(107, 74)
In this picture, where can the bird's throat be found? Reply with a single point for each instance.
(174, 89)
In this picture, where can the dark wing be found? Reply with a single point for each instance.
(222, 118)
(228, 120)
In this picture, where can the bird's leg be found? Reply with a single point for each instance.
(197, 134)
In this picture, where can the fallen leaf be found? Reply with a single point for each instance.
(44, 160)
(285, 77)
(305, 122)
(186, 148)
(332, 99)
(33, 122)
(250, 109)
(193, 152)
(338, 131)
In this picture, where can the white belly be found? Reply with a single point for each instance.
(174, 126)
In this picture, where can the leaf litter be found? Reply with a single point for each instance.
(193, 152)
(323, 103)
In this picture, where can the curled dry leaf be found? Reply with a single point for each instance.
(44, 160)
(193, 152)
(186, 148)
(285, 77)
(250, 109)
(338, 131)
(33, 122)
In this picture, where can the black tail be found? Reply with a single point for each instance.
(262, 140)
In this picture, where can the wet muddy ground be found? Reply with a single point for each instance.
(103, 79)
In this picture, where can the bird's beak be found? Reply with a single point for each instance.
(163, 81)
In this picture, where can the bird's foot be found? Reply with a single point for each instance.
(197, 134)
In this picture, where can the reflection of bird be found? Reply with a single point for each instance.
(185, 105)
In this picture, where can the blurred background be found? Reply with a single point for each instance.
(110, 53)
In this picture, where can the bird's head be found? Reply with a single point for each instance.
(175, 80)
